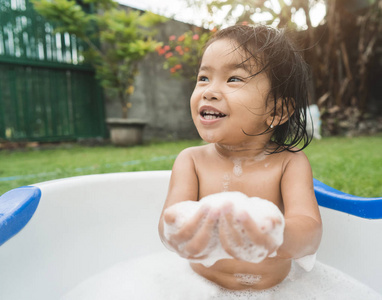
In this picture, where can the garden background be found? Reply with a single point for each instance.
(52, 108)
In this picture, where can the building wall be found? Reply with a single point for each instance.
(158, 98)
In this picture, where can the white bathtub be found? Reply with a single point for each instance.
(83, 225)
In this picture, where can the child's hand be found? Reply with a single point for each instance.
(222, 226)
(243, 239)
(192, 238)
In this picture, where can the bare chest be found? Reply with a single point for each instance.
(253, 178)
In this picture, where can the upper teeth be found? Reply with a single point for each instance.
(213, 113)
(210, 112)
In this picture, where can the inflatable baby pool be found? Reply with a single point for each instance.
(56, 234)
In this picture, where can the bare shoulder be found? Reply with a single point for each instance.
(193, 153)
(196, 150)
(297, 185)
(286, 159)
(184, 168)
(297, 173)
(293, 158)
(184, 179)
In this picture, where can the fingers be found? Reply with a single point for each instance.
(189, 229)
(259, 236)
(201, 240)
(169, 216)
(229, 237)
(239, 235)
(270, 224)
(240, 232)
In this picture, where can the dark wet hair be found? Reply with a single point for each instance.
(275, 54)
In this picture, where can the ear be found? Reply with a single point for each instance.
(282, 112)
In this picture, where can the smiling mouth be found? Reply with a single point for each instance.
(211, 115)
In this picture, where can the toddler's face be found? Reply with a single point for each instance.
(226, 100)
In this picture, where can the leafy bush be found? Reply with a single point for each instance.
(118, 39)
(183, 53)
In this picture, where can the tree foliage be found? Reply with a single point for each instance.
(279, 13)
(117, 39)
(343, 52)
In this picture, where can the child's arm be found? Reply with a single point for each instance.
(193, 237)
(302, 233)
(303, 227)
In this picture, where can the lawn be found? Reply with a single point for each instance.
(353, 165)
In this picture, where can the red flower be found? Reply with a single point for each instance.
(181, 38)
(179, 50)
(178, 66)
(172, 70)
(166, 48)
(160, 50)
(172, 38)
(168, 55)
(195, 37)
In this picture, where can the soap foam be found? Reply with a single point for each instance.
(165, 276)
(261, 211)
(247, 279)
(226, 182)
(237, 168)
(307, 262)
(260, 157)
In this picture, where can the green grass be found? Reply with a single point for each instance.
(74, 160)
(353, 165)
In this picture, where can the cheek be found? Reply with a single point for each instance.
(250, 119)
(193, 106)
(194, 102)
(193, 97)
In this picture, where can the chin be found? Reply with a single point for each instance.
(208, 137)
(208, 140)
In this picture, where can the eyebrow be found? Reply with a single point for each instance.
(228, 67)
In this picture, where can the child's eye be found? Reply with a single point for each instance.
(203, 78)
(234, 79)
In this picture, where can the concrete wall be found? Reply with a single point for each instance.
(158, 98)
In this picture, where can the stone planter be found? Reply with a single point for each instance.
(126, 132)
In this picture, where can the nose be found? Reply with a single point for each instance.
(211, 93)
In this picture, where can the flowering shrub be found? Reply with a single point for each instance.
(182, 53)
(125, 38)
